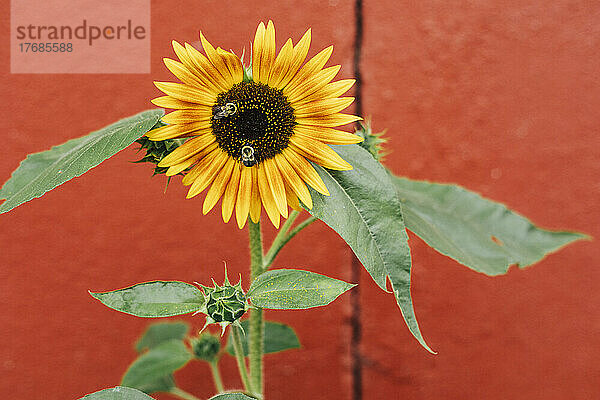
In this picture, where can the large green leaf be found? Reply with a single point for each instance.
(161, 332)
(231, 396)
(163, 384)
(365, 211)
(291, 289)
(117, 393)
(277, 337)
(479, 233)
(156, 365)
(42, 172)
(154, 299)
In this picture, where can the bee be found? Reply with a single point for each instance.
(228, 109)
(248, 156)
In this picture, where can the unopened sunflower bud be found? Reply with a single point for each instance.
(373, 142)
(206, 347)
(224, 305)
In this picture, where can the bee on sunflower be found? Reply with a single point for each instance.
(252, 132)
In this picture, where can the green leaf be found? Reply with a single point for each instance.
(278, 337)
(291, 289)
(156, 365)
(117, 393)
(231, 396)
(479, 233)
(42, 172)
(161, 332)
(154, 299)
(365, 211)
(163, 384)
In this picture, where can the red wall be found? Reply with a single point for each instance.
(501, 97)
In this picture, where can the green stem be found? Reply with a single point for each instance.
(214, 368)
(283, 237)
(182, 394)
(256, 249)
(256, 315)
(276, 245)
(239, 354)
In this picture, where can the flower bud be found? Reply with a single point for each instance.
(373, 142)
(226, 304)
(206, 347)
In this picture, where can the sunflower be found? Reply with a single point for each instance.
(253, 131)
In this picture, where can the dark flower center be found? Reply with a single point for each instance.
(252, 115)
(252, 124)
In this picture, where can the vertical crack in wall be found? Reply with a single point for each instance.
(355, 321)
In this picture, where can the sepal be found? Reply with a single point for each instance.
(373, 142)
(223, 305)
(156, 151)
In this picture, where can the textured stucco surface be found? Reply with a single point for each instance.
(499, 96)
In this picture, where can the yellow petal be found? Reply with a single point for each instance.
(276, 185)
(292, 199)
(305, 171)
(182, 55)
(218, 186)
(192, 66)
(300, 52)
(234, 64)
(319, 153)
(255, 203)
(323, 107)
(187, 150)
(293, 180)
(172, 102)
(312, 84)
(244, 194)
(182, 72)
(199, 168)
(185, 59)
(268, 53)
(182, 166)
(328, 120)
(331, 90)
(188, 116)
(217, 61)
(267, 198)
(173, 131)
(208, 175)
(186, 93)
(231, 192)
(326, 135)
(207, 69)
(257, 51)
(311, 67)
(282, 63)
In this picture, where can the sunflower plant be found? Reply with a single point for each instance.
(266, 135)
